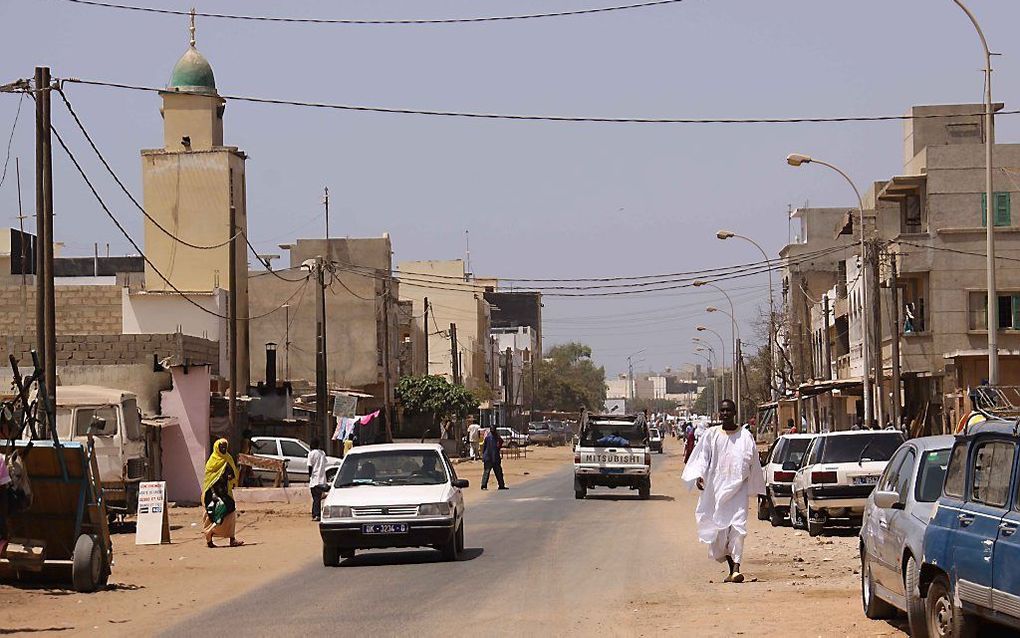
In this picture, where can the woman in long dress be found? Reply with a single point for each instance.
(218, 496)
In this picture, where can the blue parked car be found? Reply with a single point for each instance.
(971, 567)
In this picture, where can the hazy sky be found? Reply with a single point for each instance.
(540, 199)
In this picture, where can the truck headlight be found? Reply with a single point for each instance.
(336, 511)
(434, 509)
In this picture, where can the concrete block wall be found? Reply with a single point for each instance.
(118, 349)
(81, 310)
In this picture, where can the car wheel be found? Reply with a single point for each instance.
(580, 493)
(795, 519)
(815, 528)
(915, 604)
(775, 516)
(874, 607)
(763, 508)
(330, 556)
(87, 564)
(449, 548)
(460, 538)
(645, 491)
(945, 619)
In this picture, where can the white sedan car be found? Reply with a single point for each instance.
(393, 495)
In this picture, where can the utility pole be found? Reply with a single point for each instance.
(876, 321)
(232, 319)
(325, 203)
(826, 345)
(46, 335)
(454, 359)
(737, 362)
(894, 332)
(321, 390)
(508, 384)
(387, 386)
(531, 360)
(286, 341)
(426, 336)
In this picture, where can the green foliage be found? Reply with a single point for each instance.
(652, 405)
(433, 394)
(567, 379)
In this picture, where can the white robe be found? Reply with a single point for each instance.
(728, 463)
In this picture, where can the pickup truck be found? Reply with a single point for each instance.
(612, 451)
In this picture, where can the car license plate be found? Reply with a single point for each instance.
(871, 479)
(384, 528)
(612, 470)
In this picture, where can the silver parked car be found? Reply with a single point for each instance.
(892, 532)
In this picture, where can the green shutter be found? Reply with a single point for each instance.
(1016, 312)
(1002, 212)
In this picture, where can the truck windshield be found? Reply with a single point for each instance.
(614, 435)
(850, 448)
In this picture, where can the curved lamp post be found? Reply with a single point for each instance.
(735, 334)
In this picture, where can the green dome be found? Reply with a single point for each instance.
(193, 74)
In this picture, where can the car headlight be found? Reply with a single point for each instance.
(434, 509)
(336, 511)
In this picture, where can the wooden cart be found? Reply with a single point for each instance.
(65, 530)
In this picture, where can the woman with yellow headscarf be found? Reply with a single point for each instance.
(218, 496)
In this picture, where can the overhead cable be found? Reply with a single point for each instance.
(356, 21)
(10, 139)
(548, 118)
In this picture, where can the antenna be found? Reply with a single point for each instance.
(467, 245)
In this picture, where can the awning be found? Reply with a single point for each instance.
(897, 188)
(821, 387)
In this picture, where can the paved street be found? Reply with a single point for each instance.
(538, 561)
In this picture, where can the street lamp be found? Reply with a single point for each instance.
(734, 335)
(796, 159)
(716, 382)
(630, 373)
(993, 299)
(729, 234)
(722, 342)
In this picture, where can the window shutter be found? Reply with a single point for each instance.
(984, 209)
(1016, 312)
(1002, 209)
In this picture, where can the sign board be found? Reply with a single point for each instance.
(344, 405)
(153, 526)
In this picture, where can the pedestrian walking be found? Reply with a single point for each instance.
(474, 438)
(220, 516)
(725, 466)
(317, 477)
(491, 458)
(688, 443)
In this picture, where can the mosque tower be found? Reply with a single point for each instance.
(189, 187)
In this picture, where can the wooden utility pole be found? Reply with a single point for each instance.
(387, 389)
(24, 247)
(894, 332)
(508, 384)
(876, 309)
(426, 318)
(826, 344)
(532, 362)
(46, 334)
(454, 359)
(233, 434)
(321, 389)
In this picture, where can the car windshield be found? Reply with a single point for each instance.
(392, 467)
(619, 434)
(851, 448)
(654, 433)
(793, 450)
(931, 474)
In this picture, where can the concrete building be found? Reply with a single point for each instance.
(454, 297)
(192, 186)
(512, 310)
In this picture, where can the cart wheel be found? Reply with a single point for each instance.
(87, 568)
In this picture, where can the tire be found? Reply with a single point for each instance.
(87, 568)
(460, 538)
(645, 490)
(764, 509)
(449, 549)
(330, 556)
(874, 607)
(346, 553)
(945, 619)
(775, 516)
(580, 493)
(795, 519)
(814, 528)
(915, 604)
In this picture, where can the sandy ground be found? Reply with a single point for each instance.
(151, 584)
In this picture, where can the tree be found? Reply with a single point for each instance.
(567, 380)
(652, 405)
(433, 394)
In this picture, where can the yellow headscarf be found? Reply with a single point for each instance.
(216, 465)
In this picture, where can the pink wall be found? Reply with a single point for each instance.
(185, 448)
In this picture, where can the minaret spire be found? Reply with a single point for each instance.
(191, 27)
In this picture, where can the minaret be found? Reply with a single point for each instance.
(190, 186)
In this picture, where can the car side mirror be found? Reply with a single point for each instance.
(888, 500)
(461, 483)
(791, 466)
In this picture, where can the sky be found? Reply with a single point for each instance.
(540, 199)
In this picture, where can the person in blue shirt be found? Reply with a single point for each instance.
(491, 458)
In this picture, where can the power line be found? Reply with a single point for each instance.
(548, 118)
(352, 21)
(124, 188)
(10, 139)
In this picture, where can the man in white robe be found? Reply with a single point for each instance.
(725, 466)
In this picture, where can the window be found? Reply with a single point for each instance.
(990, 475)
(794, 450)
(890, 477)
(905, 473)
(910, 214)
(851, 448)
(814, 451)
(1001, 209)
(64, 421)
(931, 475)
(1008, 310)
(264, 446)
(106, 417)
(412, 467)
(293, 448)
(956, 472)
